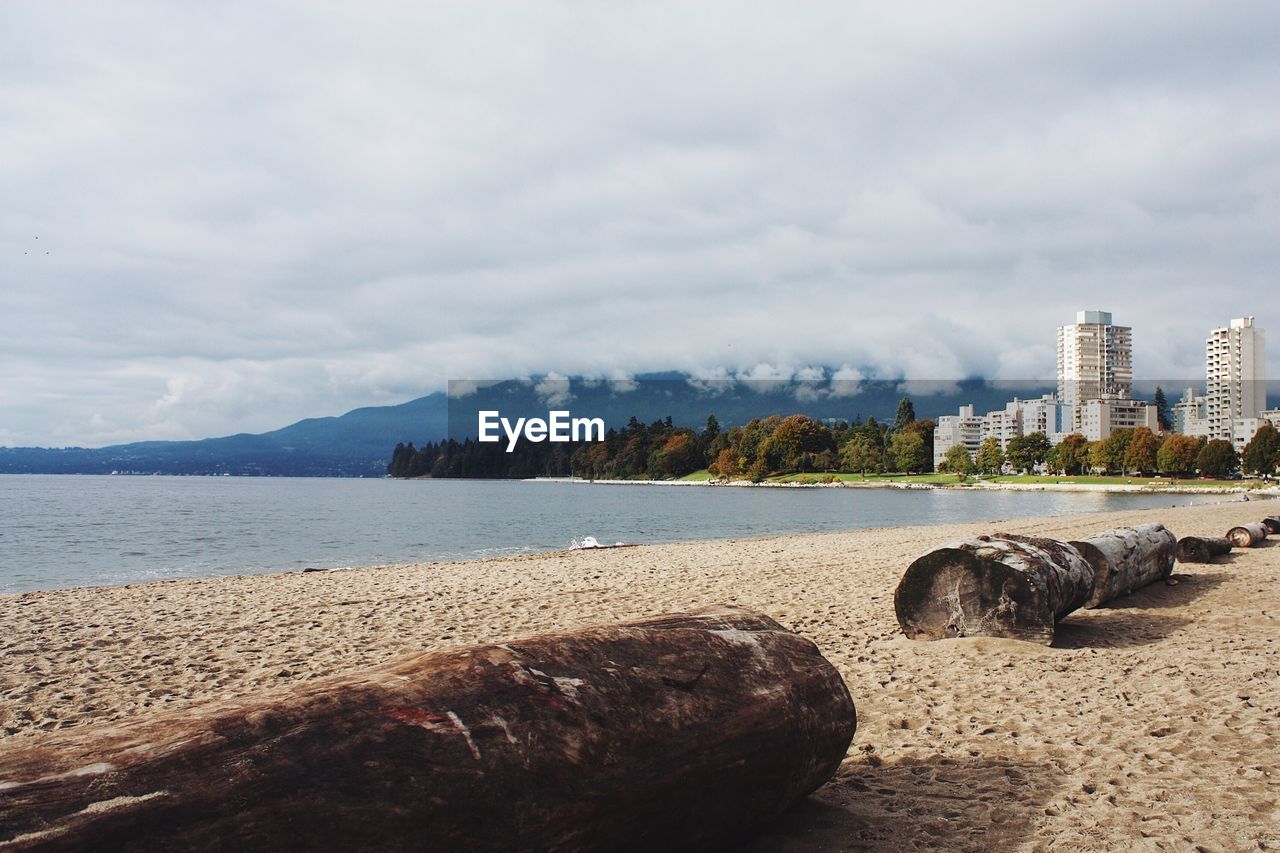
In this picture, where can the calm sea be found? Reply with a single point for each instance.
(63, 531)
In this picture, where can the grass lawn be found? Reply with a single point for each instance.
(697, 476)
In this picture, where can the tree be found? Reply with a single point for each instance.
(1027, 451)
(725, 465)
(1108, 455)
(1177, 455)
(909, 452)
(906, 414)
(1162, 410)
(1217, 459)
(1071, 455)
(958, 461)
(862, 453)
(1140, 453)
(990, 457)
(794, 437)
(1261, 452)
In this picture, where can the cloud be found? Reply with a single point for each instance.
(225, 218)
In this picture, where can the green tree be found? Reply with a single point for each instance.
(906, 414)
(1163, 417)
(1261, 451)
(862, 453)
(1071, 455)
(909, 452)
(1027, 451)
(990, 457)
(1177, 455)
(1140, 453)
(1217, 459)
(1108, 455)
(957, 461)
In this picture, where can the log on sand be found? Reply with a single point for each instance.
(1126, 559)
(1202, 549)
(1248, 534)
(1272, 523)
(993, 586)
(684, 731)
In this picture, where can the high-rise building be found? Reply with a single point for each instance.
(1235, 376)
(1095, 360)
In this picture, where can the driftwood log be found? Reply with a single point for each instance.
(1248, 534)
(1272, 523)
(1126, 559)
(993, 586)
(683, 731)
(1202, 549)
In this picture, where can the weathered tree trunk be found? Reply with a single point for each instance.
(1248, 534)
(1200, 549)
(1272, 523)
(993, 586)
(682, 731)
(1126, 559)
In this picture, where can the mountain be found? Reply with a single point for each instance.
(356, 444)
(359, 443)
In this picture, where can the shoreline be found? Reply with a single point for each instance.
(1118, 488)
(1149, 718)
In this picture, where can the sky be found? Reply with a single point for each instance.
(223, 217)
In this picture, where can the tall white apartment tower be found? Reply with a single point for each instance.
(1095, 360)
(1235, 375)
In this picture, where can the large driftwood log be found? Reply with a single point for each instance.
(1248, 534)
(1201, 549)
(993, 586)
(683, 731)
(1126, 559)
(1272, 523)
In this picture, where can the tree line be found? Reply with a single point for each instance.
(1128, 451)
(773, 446)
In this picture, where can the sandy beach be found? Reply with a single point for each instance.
(1151, 724)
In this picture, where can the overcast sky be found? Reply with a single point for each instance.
(223, 217)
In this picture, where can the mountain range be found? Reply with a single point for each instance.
(359, 443)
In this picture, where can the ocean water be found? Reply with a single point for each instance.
(65, 531)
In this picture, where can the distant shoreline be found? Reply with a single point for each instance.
(1119, 488)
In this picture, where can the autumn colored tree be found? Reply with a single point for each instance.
(1177, 455)
(725, 465)
(1140, 453)
(679, 455)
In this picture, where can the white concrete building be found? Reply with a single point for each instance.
(1095, 359)
(1235, 376)
(1017, 418)
(963, 429)
(1097, 419)
(1189, 415)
